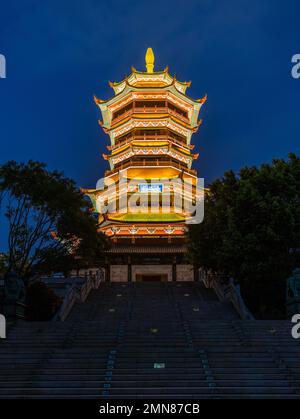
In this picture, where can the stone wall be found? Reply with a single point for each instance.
(118, 273)
(185, 272)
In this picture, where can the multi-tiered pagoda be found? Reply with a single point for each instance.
(150, 121)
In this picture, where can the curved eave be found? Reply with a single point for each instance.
(107, 113)
(88, 191)
(92, 194)
(135, 71)
(144, 78)
(181, 153)
(149, 116)
(157, 143)
(127, 87)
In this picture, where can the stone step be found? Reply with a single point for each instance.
(99, 353)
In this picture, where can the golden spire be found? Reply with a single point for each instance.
(149, 58)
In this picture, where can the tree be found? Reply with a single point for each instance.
(50, 223)
(42, 302)
(251, 231)
(3, 263)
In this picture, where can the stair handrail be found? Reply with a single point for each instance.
(238, 301)
(226, 292)
(79, 293)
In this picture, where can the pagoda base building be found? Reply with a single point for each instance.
(149, 194)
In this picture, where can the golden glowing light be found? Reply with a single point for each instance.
(149, 58)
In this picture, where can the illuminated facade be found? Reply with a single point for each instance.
(150, 121)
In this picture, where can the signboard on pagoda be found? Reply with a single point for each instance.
(151, 188)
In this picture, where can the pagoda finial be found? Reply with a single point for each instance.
(149, 58)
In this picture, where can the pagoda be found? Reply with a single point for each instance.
(150, 121)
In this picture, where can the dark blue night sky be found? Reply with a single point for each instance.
(60, 53)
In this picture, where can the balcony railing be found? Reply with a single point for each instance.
(147, 138)
(151, 163)
(146, 109)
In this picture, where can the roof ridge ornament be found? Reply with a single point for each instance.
(149, 58)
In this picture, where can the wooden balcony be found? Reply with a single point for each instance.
(151, 163)
(149, 138)
(149, 110)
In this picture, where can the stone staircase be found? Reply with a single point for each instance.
(151, 340)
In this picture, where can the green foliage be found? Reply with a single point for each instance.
(50, 222)
(3, 263)
(42, 303)
(251, 231)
